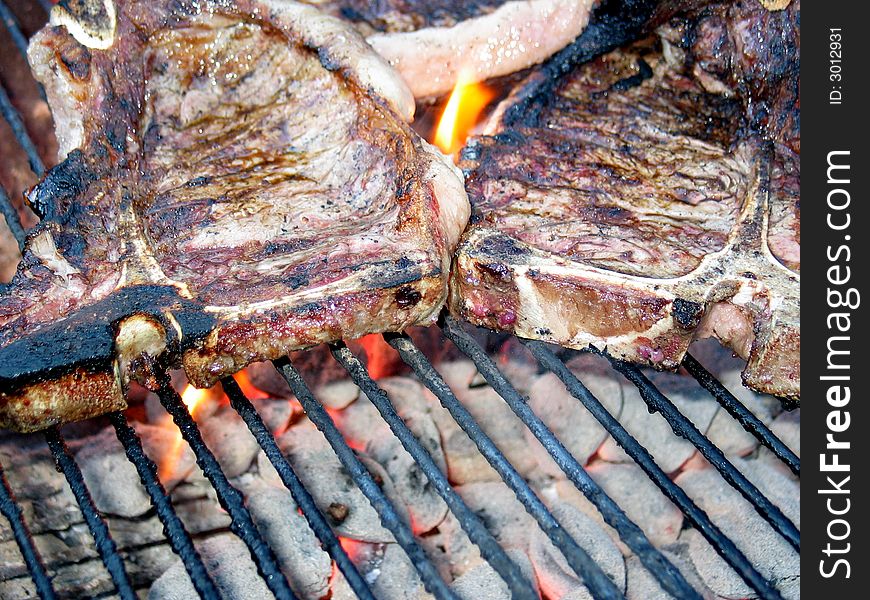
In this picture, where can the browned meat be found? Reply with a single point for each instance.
(237, 183)
(638, 210)
(431, 41)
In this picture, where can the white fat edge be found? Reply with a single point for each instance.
(102, 40)
(499, 43)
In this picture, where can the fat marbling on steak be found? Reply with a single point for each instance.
(652, 199)
(431, 42)
(238, 180)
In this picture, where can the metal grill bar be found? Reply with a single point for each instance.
(18, 37)
(578, 559)
(11, 23)
(230, 498)
(46, 5)
(697, 517)
(743, 415)
(363, 479)
(628, 531)
(10, 509)
(291, 481)
(10, 113)
(470, 522)
(103, 539)
(684, 428)
(178, 537)
(12, 219)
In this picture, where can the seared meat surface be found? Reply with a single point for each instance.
(238, 181)
(431, 42)
(647, 203)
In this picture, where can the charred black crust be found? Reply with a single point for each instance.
(687, 313)
(55, 195)
(644, 72)
(86, 339)
(614, 23)
(505, 246)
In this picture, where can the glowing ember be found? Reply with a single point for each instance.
(462, 112)
(351, 547)
(381, 356)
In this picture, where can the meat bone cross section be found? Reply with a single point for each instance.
(434, 42)
(640, 210)
(237, 180)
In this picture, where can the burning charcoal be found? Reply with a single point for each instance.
(555, 577)
(111, 477)
(787, 427)
(361, 423)
(388, 572)
(575, 426)
(35, 471)
(396, 577)
(302, 560)
(772, 555)
(227, 436)
(483, 582)
(405, 393)
(464, 461)
(326, 479)
(725, 431)
(337, 394)
(641, 500)
(450, 549)
(228, 562)
(641, 585)
(521, 369)
(276, 413)
(653, 431)
(501, 512)
(266, 377)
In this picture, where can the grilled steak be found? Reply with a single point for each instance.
(238, 181)
(431, 41)
(648, 201)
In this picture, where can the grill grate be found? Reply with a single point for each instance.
(243, 525)
(96, 524)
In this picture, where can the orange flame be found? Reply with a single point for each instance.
(381, 356)
(248, 388)
(462, 112)
(192, 398)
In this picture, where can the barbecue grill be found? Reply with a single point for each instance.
(549, 358)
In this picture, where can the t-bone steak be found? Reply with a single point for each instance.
(648, 201)
(432, 42)
(238, 180)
